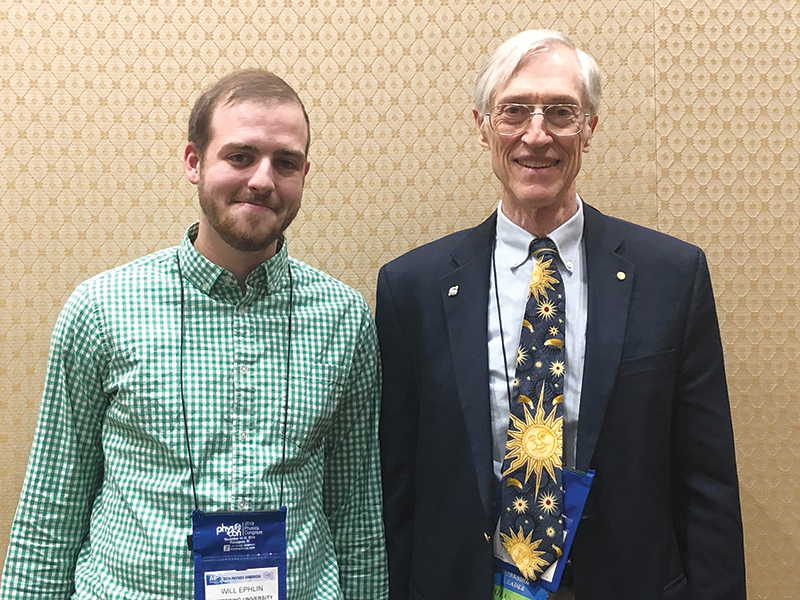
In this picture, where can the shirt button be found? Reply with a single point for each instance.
(242, 436)
(241, 310)
(244, 369)
(242, 504)
(569, 265)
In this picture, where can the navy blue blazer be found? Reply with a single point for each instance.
(663, 518)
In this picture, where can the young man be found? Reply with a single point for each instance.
(219, 375)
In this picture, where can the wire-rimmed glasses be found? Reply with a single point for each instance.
(559, 119)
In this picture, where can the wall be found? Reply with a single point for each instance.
(698, 138)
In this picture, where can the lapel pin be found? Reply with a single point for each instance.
(621, 275)
(452, 291)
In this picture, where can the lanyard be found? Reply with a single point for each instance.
(500, 319)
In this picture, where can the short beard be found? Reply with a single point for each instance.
(229, 230)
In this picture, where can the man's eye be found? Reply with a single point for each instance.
(288, 165)
(238, 159)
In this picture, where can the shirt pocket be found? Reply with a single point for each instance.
(147, 394)
(313, 398)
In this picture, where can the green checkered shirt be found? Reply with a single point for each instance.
(106, 504)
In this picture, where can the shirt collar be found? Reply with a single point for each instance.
(513, 242)
(268, 277)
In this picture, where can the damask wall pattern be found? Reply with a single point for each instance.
(698, 137)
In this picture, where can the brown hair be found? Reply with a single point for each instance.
(251, 85)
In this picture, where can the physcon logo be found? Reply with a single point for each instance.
(234, 530)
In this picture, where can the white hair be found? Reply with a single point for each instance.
(506, 60)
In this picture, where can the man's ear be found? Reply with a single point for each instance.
(483, 140)
(191, 164)
(587, 140)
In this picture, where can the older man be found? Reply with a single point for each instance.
(548, 343)
(219, 391)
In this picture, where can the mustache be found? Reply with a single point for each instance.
(251, 198)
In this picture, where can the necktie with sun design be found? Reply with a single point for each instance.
(532, 496)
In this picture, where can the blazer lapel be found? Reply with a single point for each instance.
(465, 297)
(610, 282)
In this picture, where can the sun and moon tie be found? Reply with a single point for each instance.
(532, 496)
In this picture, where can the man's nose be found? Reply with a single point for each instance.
(262, 178)
(536, 132)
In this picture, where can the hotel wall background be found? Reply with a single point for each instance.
(698, 138)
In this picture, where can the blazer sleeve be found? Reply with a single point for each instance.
(706, 509)
(398, 436)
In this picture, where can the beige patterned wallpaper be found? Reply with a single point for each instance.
(698, 137)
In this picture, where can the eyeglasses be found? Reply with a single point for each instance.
(559, 119)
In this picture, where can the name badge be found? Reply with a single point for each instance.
(239, 555)
(510, 585)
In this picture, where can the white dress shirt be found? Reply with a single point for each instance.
(514, 267)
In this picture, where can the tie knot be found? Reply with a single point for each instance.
(541, 246)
